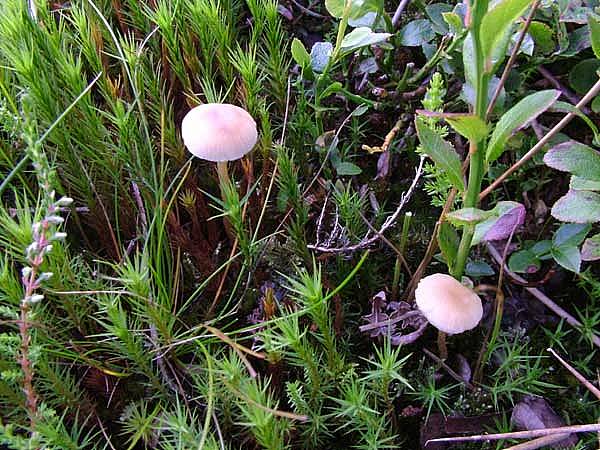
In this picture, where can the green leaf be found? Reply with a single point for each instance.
(334, 87)
(524, 261)
(570, 234)
(416, 33)
(448, 241)
(478, 269)
(591, 249)
(594, 25)
(568, 257)
(542, 248)
(596, 104)
(581, 184)
(454, 22)
(467, 216)
(358, 8)
(361, 37)
(442, 153)
(567, 107)
(347, 169)
(435, 12)
(578, 207)
(299, 53)
(496, 22)
(575, 158)
(517, 117)
(583, 76)
(543, 36)
(469, 126)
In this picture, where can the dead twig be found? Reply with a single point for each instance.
(538, 442)
(449, 369)
(539, 295)
(588, 428)
(368, 241)
(593, 389)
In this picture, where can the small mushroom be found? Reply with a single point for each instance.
(448, 305)
(219, 132)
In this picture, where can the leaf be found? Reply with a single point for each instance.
(542, 248)
(299, 53)
(358, 8)
(568, 257)
(361, 37)
(596, 104)
(567, 107)
(524, 261)
(578, 207)
(416, 33)
(478, 269)
(448, 241)
(575, 158)
(570, 234)
(442, 153)
(469, 126)
(467, 216)
(543, 36)
(496, 21)
(319, 55)
(591, 249)
(454, 22)
(581, 184)
(502, 221)
(517, 117)
(583, 76)
(594, 24)
(435, 13)
(348, 169)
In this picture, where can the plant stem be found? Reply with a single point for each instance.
(476, 150)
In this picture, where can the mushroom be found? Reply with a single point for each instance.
(448, 305)
(219, 132)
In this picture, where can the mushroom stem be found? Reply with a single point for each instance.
(441, 341)
(223, 175)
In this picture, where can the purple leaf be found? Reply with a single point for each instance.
(506, 224)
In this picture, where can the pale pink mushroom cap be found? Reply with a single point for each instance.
(218, 132)
(447, 304)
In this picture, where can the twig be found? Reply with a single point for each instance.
(541, 296)
(567, 93)
(449, 369)
(401, 6)
(307, 11)
(389, 137)
(512, 59)
(236, 347)
(593, 389)
(539, 442)
(594, 90)
(366, 242)
(591, 427)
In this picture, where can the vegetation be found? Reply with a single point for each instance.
(146, 304)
